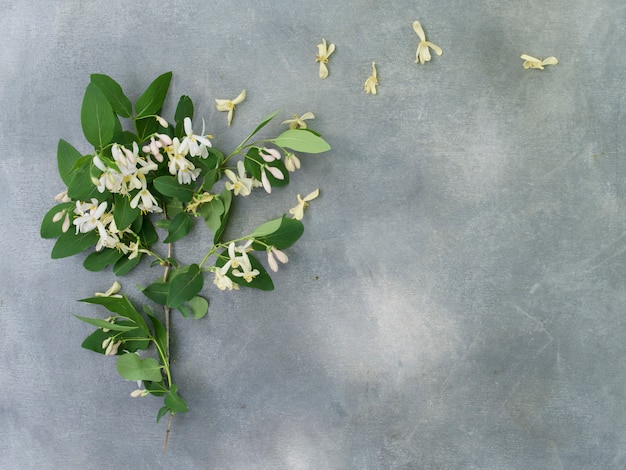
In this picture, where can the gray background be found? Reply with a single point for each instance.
(457, 298)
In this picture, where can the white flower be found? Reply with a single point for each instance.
(282, 257)
(246, 271)
(196, 144)
(66, 223)
(531, 62)
(298, 122)
(238, 184)
(62, 197)
(112, 348)
(222, 281)
(110, 178)
(111, 292)
(269, 155)
(372, 81)
(265, 180)
(144, 200)
(89, 216)
(229, 105)
(323, 53)
(298, 211)
(292, 162)
(423, 49)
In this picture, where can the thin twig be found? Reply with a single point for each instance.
(167, 433)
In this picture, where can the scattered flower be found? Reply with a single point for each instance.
(229, 105)
(531, 62)
(111, 292)
(299, 122)
(298, 211)
(372, 81)
(323, 53)
(423, 49)
(62, 197)
(145, 201)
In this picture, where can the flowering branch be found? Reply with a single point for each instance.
(166, 168)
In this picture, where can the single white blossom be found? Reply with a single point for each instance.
(197, 145)
(145, 201)
(229, 105)
(298, 210)
(423, 49)
(238, 184)
(323, 53)
(299, 122)
(269, 155)
(372, 81)
(531, 62)
(111, 292)
(222, 281)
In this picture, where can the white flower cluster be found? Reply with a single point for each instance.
(93, 216)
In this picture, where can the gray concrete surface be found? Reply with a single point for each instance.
(457, 300)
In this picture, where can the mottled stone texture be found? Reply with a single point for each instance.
(457, 300)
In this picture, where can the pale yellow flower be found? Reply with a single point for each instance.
(298, 211)
(423, 49)
(229, 105)
(372, 81)
(298, 122)
(111, 292)
(531, 62)
(323, 53)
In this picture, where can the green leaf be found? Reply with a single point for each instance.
(267, 228)
(125, 265)
(81, 187)
(287, 233)
(174, 402)
(123, 214)
(212, 213)
(262, 281)
(147, 233)
(50, 229)
(98, 260)
(169, 186)
(121, 306)
(151, 101)
(93, 342)
(157, 292)
(159, 330)
(199, 307)
(97, 117)
(185, 286)
(162, 412)
(226, 197)
(67, 156)
(132, 367)
(263, 123)
(180, 226)
(113, 92)
(301, 140)
(183, 109)
(70, 244)
(145, 127)
(97, 322)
